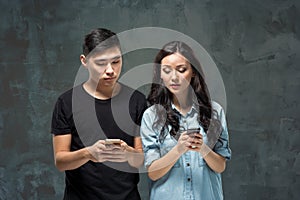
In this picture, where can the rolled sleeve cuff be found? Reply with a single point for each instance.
(224, 152)
(150, 156)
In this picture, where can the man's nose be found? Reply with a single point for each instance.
(109, 69)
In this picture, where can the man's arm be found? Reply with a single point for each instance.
(68, 160)
(64, 158)
(135, 155)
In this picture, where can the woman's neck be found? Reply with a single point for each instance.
(183, 104)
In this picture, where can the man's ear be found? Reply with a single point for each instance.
(83, 60)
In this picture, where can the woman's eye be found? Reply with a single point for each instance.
(182, 70)
(166, 70)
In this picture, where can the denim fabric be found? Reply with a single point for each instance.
(190, 178)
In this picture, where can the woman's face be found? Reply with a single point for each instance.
(176, 73)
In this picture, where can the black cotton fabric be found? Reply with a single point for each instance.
(88, 119)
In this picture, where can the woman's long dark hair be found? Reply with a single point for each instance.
(161, 97)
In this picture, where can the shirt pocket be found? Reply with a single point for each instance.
(177, 164)
(201, 161)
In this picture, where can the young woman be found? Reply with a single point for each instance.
(183, 163)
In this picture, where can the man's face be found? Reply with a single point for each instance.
(104, 67)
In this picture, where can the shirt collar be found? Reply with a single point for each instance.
(191, 111)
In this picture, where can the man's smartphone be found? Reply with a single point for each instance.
(113, 141)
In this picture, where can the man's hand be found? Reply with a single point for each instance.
(101, 152)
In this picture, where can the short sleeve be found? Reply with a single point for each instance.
(222, 145)
(149, 138)
(60, 124)
(138, 105)
(141, 107)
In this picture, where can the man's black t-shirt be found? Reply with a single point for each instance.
(89, 119)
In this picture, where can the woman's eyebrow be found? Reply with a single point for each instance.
(177, 66)
(181, 65)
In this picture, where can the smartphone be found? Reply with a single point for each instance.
(193, 130)
(113, 141)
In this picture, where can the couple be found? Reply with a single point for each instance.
(182, 163)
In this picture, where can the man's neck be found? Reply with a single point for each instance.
(102, 92)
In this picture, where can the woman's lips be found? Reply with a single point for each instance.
(175, 86)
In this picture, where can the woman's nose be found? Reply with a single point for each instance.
(174, 76)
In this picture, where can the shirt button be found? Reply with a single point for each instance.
(189, 179)
(188, 164)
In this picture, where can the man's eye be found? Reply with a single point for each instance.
(116, 62)
(101, 64)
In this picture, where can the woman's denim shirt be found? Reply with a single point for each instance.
(190, 177)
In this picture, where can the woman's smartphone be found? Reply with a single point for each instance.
(193, 130)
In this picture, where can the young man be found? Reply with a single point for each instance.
(85, 116)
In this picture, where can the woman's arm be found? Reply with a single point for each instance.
(162, 166)
(215, 161)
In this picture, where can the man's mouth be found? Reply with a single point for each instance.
(109, 78)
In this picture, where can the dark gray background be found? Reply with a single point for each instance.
(255, 45)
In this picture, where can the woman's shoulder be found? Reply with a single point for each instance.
(217, 108)
(150, 110)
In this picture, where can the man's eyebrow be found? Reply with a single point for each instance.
(106, 59)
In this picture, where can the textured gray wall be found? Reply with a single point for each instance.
(255, 45)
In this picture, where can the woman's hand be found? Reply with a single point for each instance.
(196, 141)
(183, 144)
(192, 141)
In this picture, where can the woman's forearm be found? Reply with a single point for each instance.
(216, 162)
(162, 166)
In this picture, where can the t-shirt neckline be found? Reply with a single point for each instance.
(100, 100)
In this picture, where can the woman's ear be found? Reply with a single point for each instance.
(83, 60)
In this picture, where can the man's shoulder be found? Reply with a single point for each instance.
(133, 92)
(68, 94)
